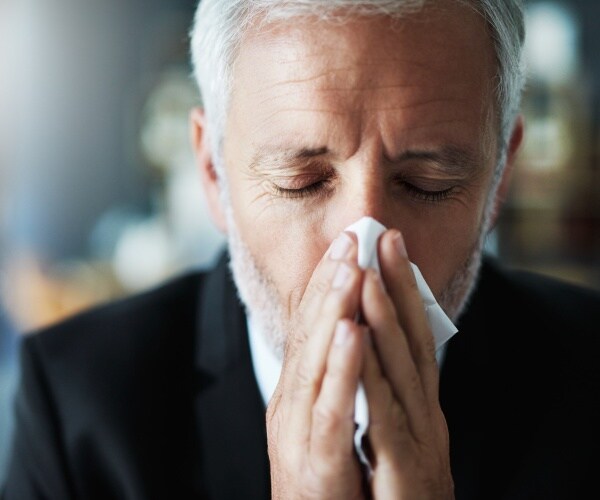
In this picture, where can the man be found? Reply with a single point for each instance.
(315, 115)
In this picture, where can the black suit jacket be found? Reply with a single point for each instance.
(155, 397)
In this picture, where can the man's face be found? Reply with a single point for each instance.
(328, 123)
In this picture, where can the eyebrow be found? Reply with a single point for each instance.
(451, 158)
(282, 158)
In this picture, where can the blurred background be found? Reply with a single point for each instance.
(99, 197)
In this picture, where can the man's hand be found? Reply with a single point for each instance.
(310, 419)
(407, 430)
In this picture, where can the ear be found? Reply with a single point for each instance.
(516, 138)
(208, 175)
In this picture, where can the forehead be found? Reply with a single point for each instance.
(413, 76)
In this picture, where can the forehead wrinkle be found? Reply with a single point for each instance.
(343, 74)
(334, 88)
(327, 73)
(335, 110)
(438, 123)
(325, 70)
(322, 111)
(312, 94)
(419, 104)
(369, 87)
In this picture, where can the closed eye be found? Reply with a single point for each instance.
(303, 192)
(320, 187)
(427, 195)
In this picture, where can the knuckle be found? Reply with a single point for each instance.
(293, 346)
(333, 304)
(426, 354)
(429, 350)
(319, 287)
(413, 286)
(414, 382)
(338, 368)
(398, 415)
(325, 419)
(304, 379)
(273, 439)
(272, 411)
(273, 419)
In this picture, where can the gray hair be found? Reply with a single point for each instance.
(220, 25)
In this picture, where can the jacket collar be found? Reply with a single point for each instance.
(222, 336)
(230, 413)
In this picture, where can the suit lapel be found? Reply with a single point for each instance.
(230, 415)
(462, 394)
(229, 410)
(488, 393)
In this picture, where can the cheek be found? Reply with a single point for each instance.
(441, 247)
(286, 248)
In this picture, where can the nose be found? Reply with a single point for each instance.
(366, 195)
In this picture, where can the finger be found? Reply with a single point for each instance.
(342, 248)
(331, 443)
(304, 363)
(393, 352)
(389, 429)
(341, 302)
(402, 288)
(304, 373)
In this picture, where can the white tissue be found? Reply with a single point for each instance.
(368, 231)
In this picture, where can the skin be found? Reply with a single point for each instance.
(395, 121)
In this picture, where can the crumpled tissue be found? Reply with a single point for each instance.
(368, 231)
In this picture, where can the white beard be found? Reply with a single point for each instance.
(259, 295)
(256, 290)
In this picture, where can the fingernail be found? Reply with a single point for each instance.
(340, 246)
(400, 246)
(342, 333)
